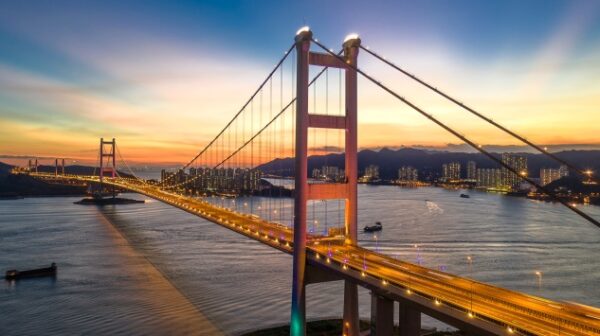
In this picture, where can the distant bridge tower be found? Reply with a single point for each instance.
(57, 166)
(107, 160)
(305, 191)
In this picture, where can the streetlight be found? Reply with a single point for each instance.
(417, 252)
(470, 261)
(539, 278)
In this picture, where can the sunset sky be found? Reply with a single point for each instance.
(164, 77)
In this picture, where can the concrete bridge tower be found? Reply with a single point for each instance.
(323, 191)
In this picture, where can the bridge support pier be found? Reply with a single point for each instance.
(351, 321)
(409, 320)
(382, 315)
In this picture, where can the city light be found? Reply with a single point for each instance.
(349, 37)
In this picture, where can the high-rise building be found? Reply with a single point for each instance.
(471, 170)
(164, 175)
(329, 173)
(316, 173)
(489, 178)
(408, 173)
(371, 172)
(548, 175)
(451, 171)
(511, 180)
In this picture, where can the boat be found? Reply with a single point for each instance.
(373, 228)
(465, 196)
(40, 272)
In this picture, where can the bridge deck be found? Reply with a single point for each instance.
(465, 303)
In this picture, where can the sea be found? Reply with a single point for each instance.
(151, 269)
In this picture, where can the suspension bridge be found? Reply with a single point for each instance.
(307, 105)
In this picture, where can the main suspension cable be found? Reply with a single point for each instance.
(127, 166)
(586, 173)
(250, 141)
(462, 137)
(287, 53)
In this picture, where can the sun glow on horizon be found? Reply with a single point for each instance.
(164, 96)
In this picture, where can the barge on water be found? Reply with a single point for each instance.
(35, 273)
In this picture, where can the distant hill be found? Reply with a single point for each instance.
(5, 169)
(24, 185)
(429, 163)
(573, 184)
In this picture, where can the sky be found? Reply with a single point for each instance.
(163, 77)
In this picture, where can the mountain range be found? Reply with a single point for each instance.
(429, 163)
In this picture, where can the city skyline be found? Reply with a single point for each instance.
(62, 91)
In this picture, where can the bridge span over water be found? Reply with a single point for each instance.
(258, 139)
(475, 307)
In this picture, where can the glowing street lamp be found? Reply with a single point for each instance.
(470, 261)
(539, 278)
(418, 257)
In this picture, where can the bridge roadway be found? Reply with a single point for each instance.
(475, 307)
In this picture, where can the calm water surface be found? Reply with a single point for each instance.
(152, 269)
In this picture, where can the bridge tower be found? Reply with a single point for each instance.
(107, 160)
(305, 191)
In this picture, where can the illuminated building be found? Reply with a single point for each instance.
(489, 178)
(511, 180)
(548, 175)
(408, 173)
(471, 171)
(451, 171)
(371, 173)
